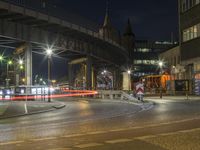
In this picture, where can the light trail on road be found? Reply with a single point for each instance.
(68, 93)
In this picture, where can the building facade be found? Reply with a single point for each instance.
(172, 62)
(146, 57)
(189, 30)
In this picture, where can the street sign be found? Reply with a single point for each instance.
(140, 89)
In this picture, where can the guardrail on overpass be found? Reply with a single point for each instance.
(56, 16)
(47, 7)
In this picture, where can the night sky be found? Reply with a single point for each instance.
(151, 19)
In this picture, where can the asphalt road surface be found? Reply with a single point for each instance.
(106, 125)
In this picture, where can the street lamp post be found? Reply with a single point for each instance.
(161, 66)
(7, 69)
(21, 67)
(49, 54)
(129, 78)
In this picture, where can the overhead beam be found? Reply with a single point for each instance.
(78, 61)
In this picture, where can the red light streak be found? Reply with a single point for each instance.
(73, 93)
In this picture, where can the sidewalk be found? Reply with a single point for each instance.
(3, 107)
(21, 108)
(172, 98)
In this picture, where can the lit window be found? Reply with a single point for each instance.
(191, 33)
(197, 2)
(143, 50)
(137, 61)
(195, 31)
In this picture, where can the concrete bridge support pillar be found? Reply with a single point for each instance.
(70, 75)
(94, 78)
(117, 77)
(89, 73)
(28, 64)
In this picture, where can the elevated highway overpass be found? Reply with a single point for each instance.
(35, 26)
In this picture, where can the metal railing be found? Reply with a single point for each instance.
(51, 9)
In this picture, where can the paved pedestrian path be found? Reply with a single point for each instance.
(19, 108)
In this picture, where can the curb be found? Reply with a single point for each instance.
(59, 107)
(140, 104)
(33, 113)
(171, 100)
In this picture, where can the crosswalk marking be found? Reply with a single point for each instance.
(43, 139)
(118, 141)
(88, 145)
(145, 137)
(97, 132)
(12, 142)
(73, 135)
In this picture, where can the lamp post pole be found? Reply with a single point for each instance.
(49, 78)
(7, 69)
(161, 66)
(129, 80)
(49, 54)
(7, 80)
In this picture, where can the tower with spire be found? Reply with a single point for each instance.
(128, 40)
(107, 30)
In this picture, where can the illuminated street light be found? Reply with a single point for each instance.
(129, 71)
(104, 71)
(1, 57)
(160, 64)
(10, 62)
(49, 52)
(21, 67)
(23, 80)
(21, 62)
(7, 68)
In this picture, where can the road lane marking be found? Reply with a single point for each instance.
(118, 141)
(43, 139)
(11, 143)
(88, 145)
(97, 132)
(145, 137)
(25, 108)
(191, 130)
(168, 134)
(74, 135)
(118, 130)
